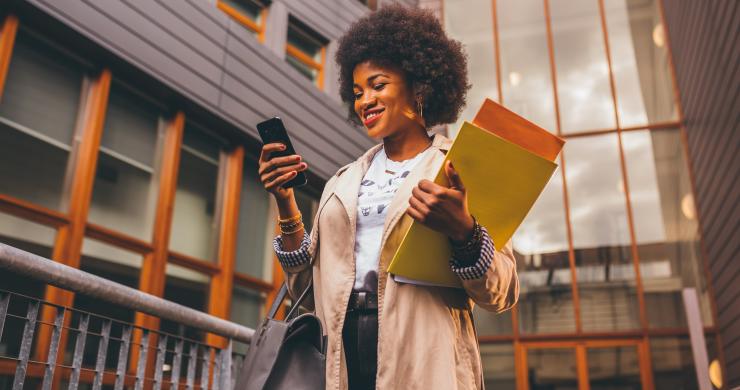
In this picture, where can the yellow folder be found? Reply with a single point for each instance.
(503, 181)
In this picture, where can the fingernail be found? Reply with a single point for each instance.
(303, 165)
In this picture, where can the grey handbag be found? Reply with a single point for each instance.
(288, 354)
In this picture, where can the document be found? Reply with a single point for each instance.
(503, 180)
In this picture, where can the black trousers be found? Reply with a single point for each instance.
(360, 336)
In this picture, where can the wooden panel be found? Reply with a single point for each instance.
(7, 39)
(219, 302)
(703, 38)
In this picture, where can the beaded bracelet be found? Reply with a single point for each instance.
(288, 232)
(471, 247)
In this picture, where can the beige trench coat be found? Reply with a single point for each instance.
(426, 338)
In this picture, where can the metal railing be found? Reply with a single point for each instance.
(107, 352)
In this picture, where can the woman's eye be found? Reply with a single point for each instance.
(358, 95)
(378, 87)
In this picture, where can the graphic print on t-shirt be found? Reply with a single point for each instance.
(377, 190)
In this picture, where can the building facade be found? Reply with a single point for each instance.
(128, 149)
(604, 255)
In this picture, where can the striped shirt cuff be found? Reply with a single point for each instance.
(294, 258)
(478, 269)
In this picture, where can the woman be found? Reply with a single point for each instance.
(400, 75)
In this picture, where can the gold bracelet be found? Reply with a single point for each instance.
(296, 217)
(298, 229)
(289, 226)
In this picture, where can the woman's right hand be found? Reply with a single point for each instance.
(274, 172)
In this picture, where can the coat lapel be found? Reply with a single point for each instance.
(427, 168)
(348, 184)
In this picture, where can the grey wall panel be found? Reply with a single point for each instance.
(203, 55)
(292, 94)
(704, 38)
(133, 46)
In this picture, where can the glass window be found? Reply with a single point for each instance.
(125, 189)
(673, 363)
(30, 237)
(525, 63)
(498, 366)
(112, 263)
(666, 226)
(305, 51)
(582, 72)
(541, 251)
(256, 226)
(188, 288)
(246, 309)
(552, 369)
(475, 31)
(38, 115)
(639, 56)
(601, 237)
(613, 368)
(194, 223)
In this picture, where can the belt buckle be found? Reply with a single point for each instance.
(362, 300)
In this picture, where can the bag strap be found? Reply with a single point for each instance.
(281, 297)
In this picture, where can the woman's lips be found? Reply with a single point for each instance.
(371, 121)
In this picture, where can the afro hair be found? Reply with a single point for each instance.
(412, 40)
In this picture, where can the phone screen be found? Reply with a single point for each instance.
(273, 131)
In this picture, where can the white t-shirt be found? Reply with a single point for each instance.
(377, 190)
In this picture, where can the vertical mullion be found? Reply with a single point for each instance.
(7, 40)
(26, 341)
(223, 282)
(152, 277)
(53, 349)
(79, 350)
(102, 354)
(497, 50)
(628, 201)
(582, 367)
(566, 202)
(123, 357)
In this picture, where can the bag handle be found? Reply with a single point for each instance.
(281, 297)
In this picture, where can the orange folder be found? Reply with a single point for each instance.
(510, 126)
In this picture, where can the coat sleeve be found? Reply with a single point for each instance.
(298, 264)
(491, 280)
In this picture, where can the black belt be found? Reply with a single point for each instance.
(361, 300)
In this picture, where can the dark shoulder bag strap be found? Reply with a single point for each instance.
(281, 296)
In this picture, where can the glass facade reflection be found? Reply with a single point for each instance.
(606, 250)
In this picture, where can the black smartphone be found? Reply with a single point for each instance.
(273, 131)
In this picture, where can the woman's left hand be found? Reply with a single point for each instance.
(444, 209)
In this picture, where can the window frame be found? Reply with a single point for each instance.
(246, 21)
(301, 56)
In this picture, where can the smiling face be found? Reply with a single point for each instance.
(383, 100)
